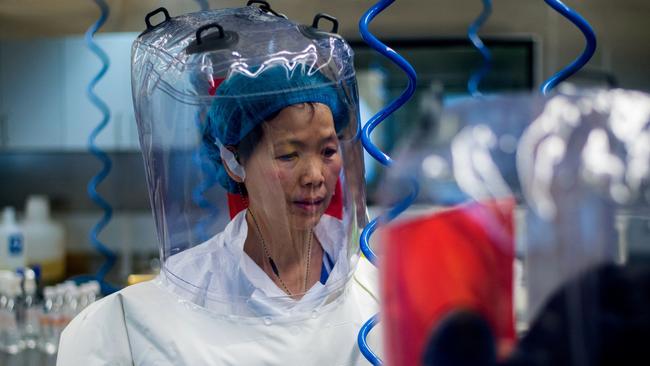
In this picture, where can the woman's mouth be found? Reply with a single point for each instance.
(309, 205)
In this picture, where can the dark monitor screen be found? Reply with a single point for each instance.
(453, 60)
(444, 67)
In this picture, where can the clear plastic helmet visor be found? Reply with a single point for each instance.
(550, 193)
(251, 146)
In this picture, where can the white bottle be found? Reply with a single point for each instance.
(44, 240)
(12, 245)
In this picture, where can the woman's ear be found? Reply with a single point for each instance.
(239, 178)
(235, 170)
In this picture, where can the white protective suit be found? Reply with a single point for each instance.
(151, 324)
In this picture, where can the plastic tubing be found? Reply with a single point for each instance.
(379, 155)
(375, 120)
(472, 33)
(363, 345)
(108, 254)
(586, 55)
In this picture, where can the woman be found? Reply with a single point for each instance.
(283, 175)
(281, 282)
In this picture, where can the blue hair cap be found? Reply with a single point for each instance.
(243, 101)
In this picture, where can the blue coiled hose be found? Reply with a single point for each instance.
(379, 155)
(373, 42)
(108, 254)
(363, 345)
(472, 33)
(586, 55)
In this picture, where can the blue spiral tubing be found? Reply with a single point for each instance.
(363, 345)
(208, 180)
(379, 155)
(586, 55)
(108, 254)
(472, 33)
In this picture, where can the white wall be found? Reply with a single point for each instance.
(43, 101)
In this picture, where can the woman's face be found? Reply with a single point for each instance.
(292, 173)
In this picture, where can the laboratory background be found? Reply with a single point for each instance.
(77, 222)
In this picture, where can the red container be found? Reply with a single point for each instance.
(458, 258)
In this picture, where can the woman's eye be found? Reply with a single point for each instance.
(287, 157)
(329, 152)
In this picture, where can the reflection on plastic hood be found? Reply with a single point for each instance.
(600, 138)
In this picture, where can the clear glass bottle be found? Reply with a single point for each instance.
(95, 291)
(3, 303)
(70, 305)
(31, 310)
(12, 338)
(49, 340)
(84, 298)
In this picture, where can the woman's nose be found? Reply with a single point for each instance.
(312, 173)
